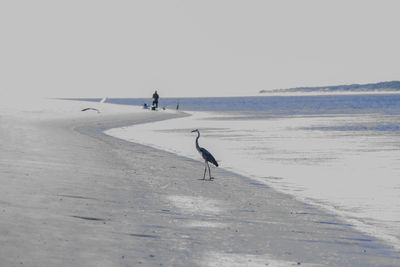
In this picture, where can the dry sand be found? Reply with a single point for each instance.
(73, 196)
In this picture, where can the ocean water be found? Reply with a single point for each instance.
(340, 152)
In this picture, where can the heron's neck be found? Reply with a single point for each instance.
(197, 141)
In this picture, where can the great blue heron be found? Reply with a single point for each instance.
(205, 155)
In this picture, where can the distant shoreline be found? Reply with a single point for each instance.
(391, 86)
(322, 93)
(267, 93)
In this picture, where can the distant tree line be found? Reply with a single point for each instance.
(381, 86)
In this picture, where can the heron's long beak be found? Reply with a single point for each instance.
(194, 131)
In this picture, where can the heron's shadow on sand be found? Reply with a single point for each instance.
(209, 180)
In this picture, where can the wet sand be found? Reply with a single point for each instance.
(73, 196)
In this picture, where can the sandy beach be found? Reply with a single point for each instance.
(73, 196)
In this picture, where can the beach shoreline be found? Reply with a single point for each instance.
(76, 196)
(334, 166)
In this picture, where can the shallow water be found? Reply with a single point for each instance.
(340, 152)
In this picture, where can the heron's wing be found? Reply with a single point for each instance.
(207, 156)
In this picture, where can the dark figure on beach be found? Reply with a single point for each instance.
(155, 99)
(206, 156)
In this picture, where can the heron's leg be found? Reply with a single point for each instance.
(205, 169)
(209, 171)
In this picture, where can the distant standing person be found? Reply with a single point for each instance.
(155, 99)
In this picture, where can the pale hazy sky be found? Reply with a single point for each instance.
(193, 48)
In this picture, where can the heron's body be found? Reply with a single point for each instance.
(207, 156)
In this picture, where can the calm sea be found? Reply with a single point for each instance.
(278, 105)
